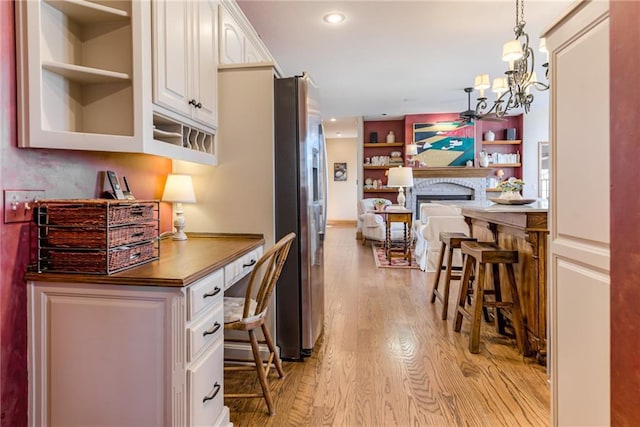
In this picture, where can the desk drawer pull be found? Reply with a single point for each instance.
(213, 330)
(214, 392)
(253, 262)
(215, 292)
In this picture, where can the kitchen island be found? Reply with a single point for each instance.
(523, 228)
(140, 347)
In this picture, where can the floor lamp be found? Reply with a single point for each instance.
(400, 177)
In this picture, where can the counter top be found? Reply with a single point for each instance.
(539, 205)
(181, 262)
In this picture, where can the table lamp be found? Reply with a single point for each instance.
(412, 151)
(400, 177)
(179, 189)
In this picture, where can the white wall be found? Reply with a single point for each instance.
(536, 129)
(343, 195)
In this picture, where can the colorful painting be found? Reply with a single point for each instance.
(443, 144)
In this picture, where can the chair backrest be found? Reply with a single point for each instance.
(434, 209)
(266, 271)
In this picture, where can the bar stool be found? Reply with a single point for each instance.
(450, 241)
(483, 253)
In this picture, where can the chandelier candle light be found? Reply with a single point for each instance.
(179, 189)
(514, 90)
(400, 177)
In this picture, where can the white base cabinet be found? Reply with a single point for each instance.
(117, 355)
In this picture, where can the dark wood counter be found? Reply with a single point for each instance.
(525, 229)
(181, 262)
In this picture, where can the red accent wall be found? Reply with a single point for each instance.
(625, 205)
(62, 174)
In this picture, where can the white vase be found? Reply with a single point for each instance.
(511, 195)
(489, 136)
(391, 137)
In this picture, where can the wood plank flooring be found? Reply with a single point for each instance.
(387, 359)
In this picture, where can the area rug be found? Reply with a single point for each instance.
(380, 258)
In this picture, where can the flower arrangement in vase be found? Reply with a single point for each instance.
(379, 204)
(511, 188)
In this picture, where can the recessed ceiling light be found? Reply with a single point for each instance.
(338, 133)
(332, 119)
(333, 18)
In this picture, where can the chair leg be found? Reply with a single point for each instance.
(462, 293)
(476, 311)
(497, 291)
(261, 374)
(516, 313)
(436, 281)
(272, 349)
(447, 285)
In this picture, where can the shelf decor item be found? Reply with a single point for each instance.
(373, 137)
(489, 136)
(391, 137)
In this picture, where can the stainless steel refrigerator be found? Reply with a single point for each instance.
(300, 195)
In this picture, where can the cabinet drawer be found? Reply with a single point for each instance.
(206, 387)
(206, 330)
(241, 267)
(205, 292)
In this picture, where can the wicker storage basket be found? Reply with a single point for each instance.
(98, 261)
(96, 236)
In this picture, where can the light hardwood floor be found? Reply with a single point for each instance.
(387, 359)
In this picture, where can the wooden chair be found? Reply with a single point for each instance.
(483, 255)
(450, 241)
(248, 313)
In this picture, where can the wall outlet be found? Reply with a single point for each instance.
(18, 204)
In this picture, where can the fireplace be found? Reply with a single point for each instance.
(433, 189)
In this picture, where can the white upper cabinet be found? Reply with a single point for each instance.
(239, 43)
(184, 61)
(84, 73)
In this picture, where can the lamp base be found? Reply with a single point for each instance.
(401, 198)
(179, 223)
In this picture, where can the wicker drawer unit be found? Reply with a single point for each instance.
(96, 236)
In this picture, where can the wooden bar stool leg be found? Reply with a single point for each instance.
(516, 312)
(462, 293)
(436, 281)
(476, 311)
(497, 290)
(447, 285)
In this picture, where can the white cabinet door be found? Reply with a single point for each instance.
(171, 34)
(579, 281)
(185, 68)
(205, 75)
(231, 39)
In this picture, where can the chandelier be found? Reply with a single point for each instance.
(514, 90)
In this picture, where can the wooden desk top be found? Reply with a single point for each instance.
(181, 262)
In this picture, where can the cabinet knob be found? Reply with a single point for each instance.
(195, 103)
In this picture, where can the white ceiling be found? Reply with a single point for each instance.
(391, 58)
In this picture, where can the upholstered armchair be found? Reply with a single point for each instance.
(373, 225)
(433, 219)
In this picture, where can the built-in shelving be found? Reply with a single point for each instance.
(505, 165)
(380, 190)
(383, 144)
(88, 12)
(503, 142)
(84, 75)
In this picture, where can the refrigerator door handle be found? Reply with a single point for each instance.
(325, 186)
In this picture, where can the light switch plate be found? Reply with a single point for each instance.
(18, 204)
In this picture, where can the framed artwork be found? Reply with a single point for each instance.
(442, 144)
(339, 171)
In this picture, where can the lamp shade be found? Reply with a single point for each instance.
(179, 189)
(412, 149)
(481, 82)
(500, 85)
(400, 177)
(511, 51)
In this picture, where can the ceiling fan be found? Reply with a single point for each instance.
(470, 115)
